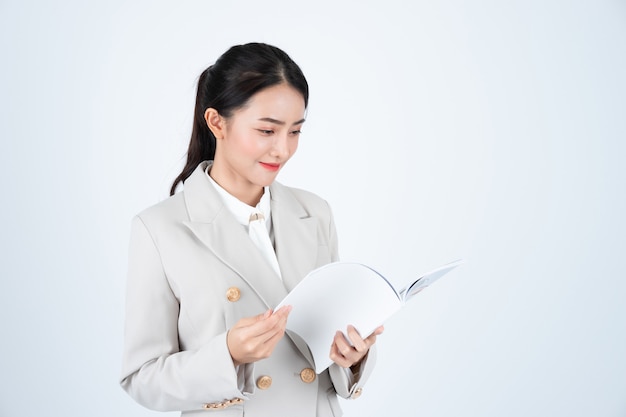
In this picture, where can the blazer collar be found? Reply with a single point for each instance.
(294, 230)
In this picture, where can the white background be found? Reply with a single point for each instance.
(487, 130)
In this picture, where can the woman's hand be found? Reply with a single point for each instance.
(254, 338)
(347, 355)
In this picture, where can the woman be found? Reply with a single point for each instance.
(207, 265)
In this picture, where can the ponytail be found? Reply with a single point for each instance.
(202, 142)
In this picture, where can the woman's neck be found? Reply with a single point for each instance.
(239, 188)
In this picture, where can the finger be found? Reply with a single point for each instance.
(286, 309)
(275, 332)
(246, 346)
(272, 327)
(359, 344)
(337, 357)
(254, 330)
(266, 320)
(342, 353)
(272, 340)
(282, 315)
(371, 339)
(279, 318)
(264, 325)
(272, 317)
(343, 346)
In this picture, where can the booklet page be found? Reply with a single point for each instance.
(334, 296)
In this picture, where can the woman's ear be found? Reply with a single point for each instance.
(215, 122)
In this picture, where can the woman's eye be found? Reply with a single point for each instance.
(296, 132)
(265, 131)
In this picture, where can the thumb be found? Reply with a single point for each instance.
(265, 315)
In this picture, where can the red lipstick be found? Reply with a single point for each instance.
(269, 166)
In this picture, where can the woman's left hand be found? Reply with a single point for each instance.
(345, 354)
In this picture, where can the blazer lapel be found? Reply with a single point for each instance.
(295, 236)
(217, 228)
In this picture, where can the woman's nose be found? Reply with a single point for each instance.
(280, 147)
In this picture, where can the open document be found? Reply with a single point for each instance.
(342, 293)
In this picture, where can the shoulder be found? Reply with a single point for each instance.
(310, 202)
(172, 210)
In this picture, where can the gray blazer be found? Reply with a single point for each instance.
(193, 273)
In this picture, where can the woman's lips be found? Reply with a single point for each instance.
(270, 166)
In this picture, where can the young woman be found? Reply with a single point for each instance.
(207, 265)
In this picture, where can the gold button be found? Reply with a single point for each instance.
(233, 294)
(264, 382)
(357, 393)
(307, 375)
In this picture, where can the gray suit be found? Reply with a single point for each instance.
(193, 273)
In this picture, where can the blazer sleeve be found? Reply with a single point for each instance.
(155, 372)
(348, 385)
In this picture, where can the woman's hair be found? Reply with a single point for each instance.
(227, 85)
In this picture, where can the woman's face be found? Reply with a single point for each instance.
(256, 141)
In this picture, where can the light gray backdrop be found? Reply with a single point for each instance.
(487, 130)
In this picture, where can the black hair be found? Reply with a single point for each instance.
(228, 85)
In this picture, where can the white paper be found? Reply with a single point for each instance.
(342, 293)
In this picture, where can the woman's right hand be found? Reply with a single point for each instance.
(254, 338)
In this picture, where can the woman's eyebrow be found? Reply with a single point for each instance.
(279, 122)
